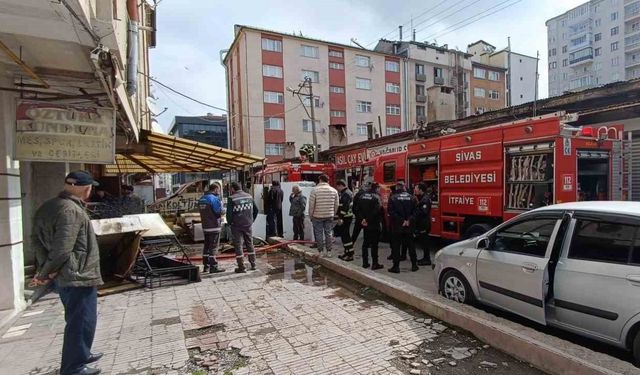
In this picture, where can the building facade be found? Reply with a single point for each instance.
(517, 72)
(79, 60)
(355, 92)
(594, 44)
(489, 88)
(209, 129)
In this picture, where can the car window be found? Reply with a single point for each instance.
(530, 237)
(602, 241)
(635, 257)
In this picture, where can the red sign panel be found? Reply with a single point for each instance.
(350, 158)
(484, 204)
(479, 154)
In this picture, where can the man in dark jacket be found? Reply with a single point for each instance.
(422, 221)
(370, 210)
(344, 220)
(296, 210)
(274, 210)
(67, 253)
(401, 208)
(210, 208)
(241, 212)
(357, 226)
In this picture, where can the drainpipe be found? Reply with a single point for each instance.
(132, 47)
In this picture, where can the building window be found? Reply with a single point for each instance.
(580, 82)
(598, 22)
(336, 90)
(479, 93)
(564, 49)
(615, 61)
(363, 107)
(316, 101)
(419, 90)
(335, 65)
(614, 46)
(479, 73)
(273, 149)
(614, 16)
(363, 83)
(437, 73)
(420, 111)
(615, 77)
(494, 76)
(393, 88)
(362, 129)
(597, 37)
(334, 53)
(363, 61)
(615, 30)
(598, 51)
(273, 97)
(274, 123)
(306, 126)
(392, 66)
(565, 62)
(494, 94)
(314, 76)
(553, 65)
(419, 69)
(391, 131)
(337, 114)
(479, 110)
(309, 51)
(271, 45)
(272, 71)
(393, 110)
(553, 52)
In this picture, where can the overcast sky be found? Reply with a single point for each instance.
(191, 34)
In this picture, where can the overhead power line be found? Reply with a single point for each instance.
(450, 12)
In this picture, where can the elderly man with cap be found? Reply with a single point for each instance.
(67, 253)
(296, 210)
(344, 220)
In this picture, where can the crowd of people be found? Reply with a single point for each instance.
(333, 211)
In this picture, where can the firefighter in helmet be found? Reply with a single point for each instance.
(370, 215)
(344, 220)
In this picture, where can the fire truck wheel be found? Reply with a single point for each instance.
(476, 230)
(455, 287)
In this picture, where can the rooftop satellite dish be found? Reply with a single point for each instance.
(152, 106)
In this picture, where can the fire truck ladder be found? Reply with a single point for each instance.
(621, 166)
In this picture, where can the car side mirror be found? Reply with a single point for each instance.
(482, 243)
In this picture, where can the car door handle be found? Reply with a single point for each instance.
(529, 267)
(634, 278)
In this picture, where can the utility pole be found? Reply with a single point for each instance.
(535, 98)
(509, 100)
(308, 81)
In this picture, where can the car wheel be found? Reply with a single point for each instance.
(636, 349)
(455, 287)
(476, 230)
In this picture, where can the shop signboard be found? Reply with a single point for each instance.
(64, 133)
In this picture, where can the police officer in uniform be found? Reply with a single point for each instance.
(241, 212)
(401, 209)
(210, 208)
(357, 226)
(422, 221)
(371, 214)
(344, 220)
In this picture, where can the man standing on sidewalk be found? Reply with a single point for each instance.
(401, 208)
(343, 229)
(370, 209)
(323, 205)
(241, 212)
(422, 221)
(357, 226)
(67, 253)
(274, 211)
(298, 206)
(210, 212)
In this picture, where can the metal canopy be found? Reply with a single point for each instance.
(159, 153)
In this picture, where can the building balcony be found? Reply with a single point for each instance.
(421, 98)
(630, 47)
(421, 77)
(632, 11)
(438, 80)
(581, 60)
(630, 62)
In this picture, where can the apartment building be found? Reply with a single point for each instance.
(425, 66)
(355, 91)
(516, 70)
(594, 44)
(489, 88)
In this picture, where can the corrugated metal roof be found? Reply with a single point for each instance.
(159, 153)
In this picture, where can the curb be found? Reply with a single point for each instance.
(548, 353)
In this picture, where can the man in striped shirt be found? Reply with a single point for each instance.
(323, 205)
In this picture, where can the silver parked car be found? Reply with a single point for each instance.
(575, 266)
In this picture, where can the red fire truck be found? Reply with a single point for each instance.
(293, 172)
(479, 178)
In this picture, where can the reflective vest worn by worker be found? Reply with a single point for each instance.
(241, 210)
